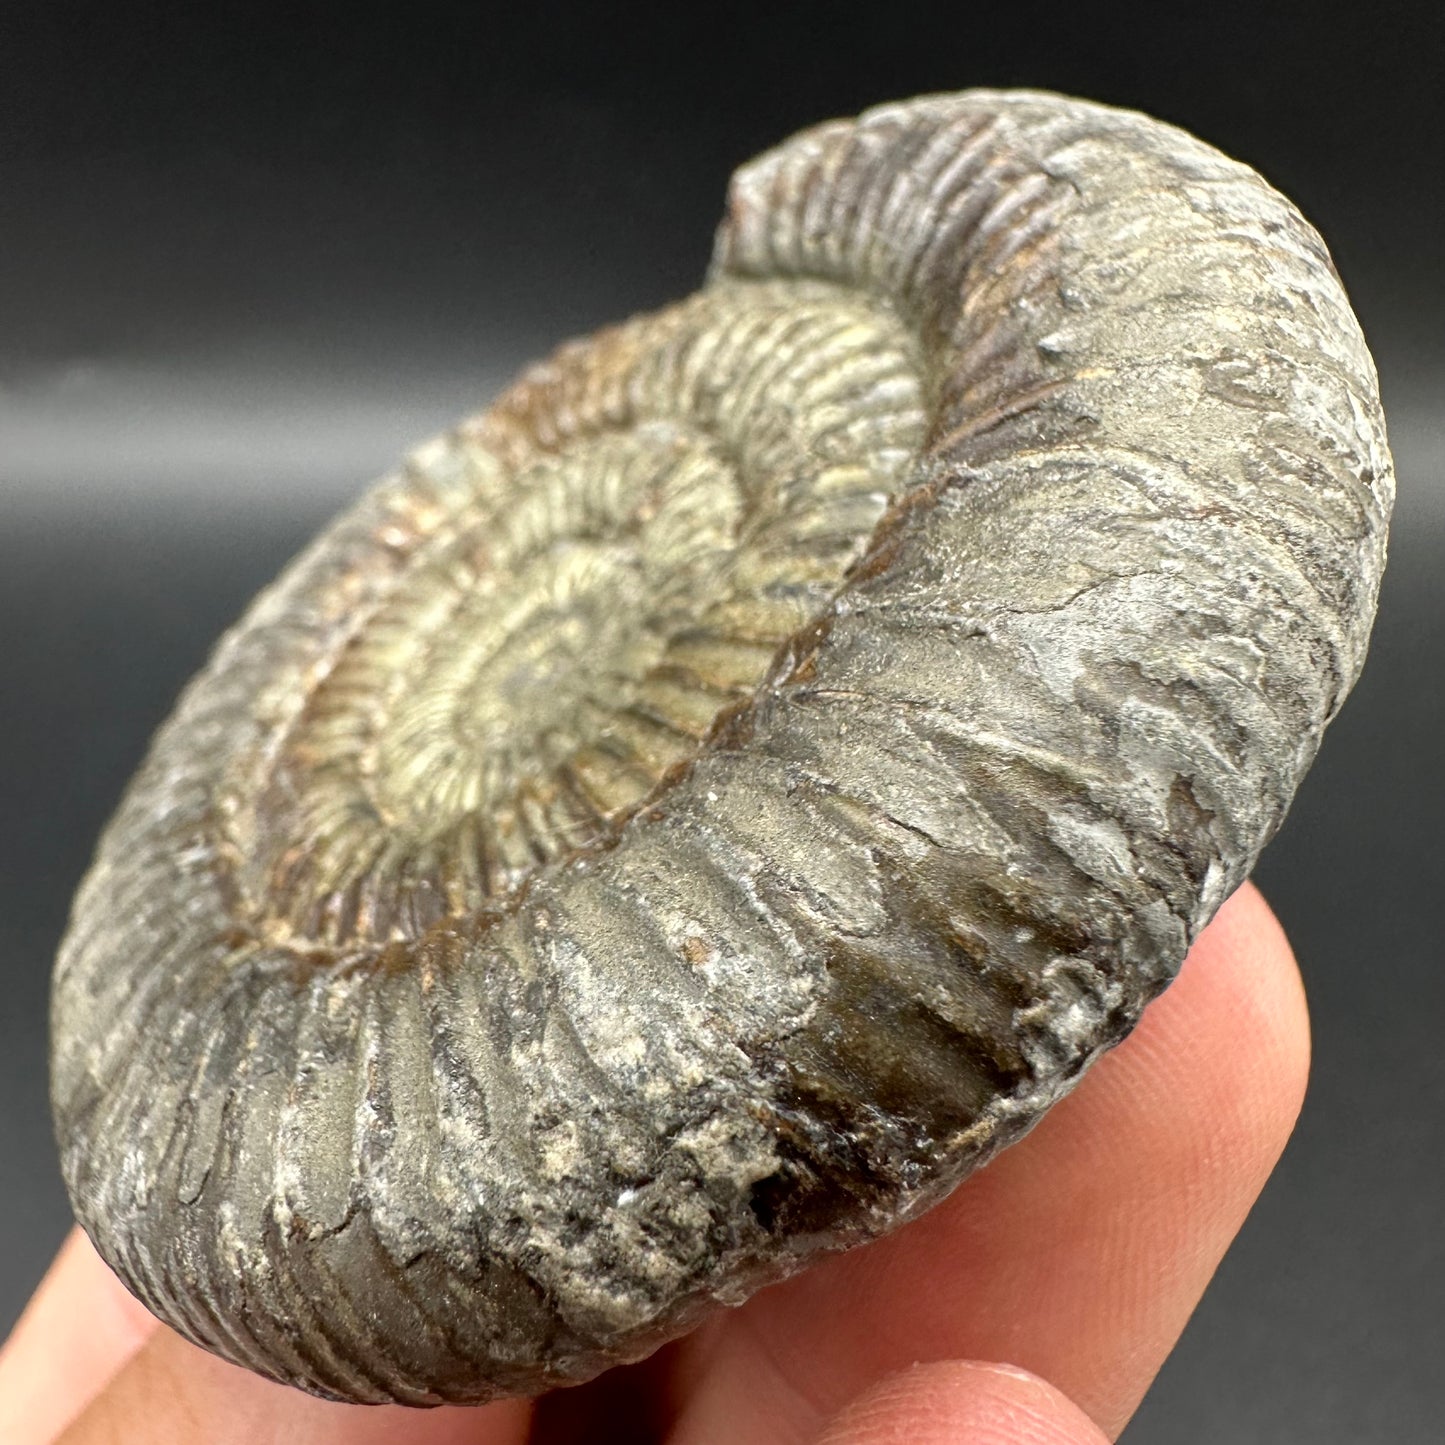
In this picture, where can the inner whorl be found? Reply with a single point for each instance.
(642, 523)
(705, 805)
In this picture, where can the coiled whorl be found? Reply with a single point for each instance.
(700, 808)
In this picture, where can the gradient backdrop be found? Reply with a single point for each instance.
(244, 265)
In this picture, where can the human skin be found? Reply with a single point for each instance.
(1033, 1306)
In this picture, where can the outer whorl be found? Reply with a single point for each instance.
(702, 807)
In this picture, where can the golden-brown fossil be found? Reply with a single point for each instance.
(700, 808)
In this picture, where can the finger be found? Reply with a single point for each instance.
(172, 1393)
(963, 1403)
(80, 1326)
(1079, 1253)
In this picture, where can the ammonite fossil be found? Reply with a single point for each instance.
(697, 810)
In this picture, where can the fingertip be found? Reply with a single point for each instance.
(1081, 1251)
(951, 1401)
(1169, 1144)
(1230, 1042)
(1247, 944)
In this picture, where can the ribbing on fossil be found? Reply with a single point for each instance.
(699, 809)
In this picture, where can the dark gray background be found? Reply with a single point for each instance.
(245, 261)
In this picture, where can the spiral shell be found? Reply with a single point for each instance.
(696, 811)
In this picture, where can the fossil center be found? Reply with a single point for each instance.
(540, 665)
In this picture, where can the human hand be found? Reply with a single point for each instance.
(1032, 1307)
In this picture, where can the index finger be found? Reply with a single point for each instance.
(1080, 1252)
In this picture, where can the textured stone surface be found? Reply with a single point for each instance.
(699, 809)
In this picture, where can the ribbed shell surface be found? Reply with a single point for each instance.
(692, 814)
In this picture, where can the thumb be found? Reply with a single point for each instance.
(958, 1402)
